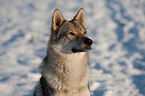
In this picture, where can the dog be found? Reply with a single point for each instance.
(65, 70)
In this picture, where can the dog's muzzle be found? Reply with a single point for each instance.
(87, 43)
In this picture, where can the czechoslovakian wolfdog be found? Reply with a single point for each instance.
(65, 70)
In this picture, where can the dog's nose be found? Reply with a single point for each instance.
(88, 41)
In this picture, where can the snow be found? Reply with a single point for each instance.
(117, 59)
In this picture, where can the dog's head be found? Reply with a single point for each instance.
(69, 36)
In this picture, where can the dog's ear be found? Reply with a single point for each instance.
(80, 16)
(57, 19)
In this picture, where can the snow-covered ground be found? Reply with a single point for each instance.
(117, 59)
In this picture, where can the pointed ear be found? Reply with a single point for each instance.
(57, 19)
(80, 16)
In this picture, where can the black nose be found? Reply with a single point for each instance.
(88, 41)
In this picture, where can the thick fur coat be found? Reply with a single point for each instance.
(65, 70)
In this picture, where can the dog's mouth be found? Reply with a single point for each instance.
(75, 50)
(85, 47)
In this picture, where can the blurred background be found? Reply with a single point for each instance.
(117, 59)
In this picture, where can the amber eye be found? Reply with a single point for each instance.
(71, 33)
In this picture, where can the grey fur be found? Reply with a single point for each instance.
(65, 68)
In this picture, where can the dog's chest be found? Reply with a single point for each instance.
(70, 71)
(75, 67)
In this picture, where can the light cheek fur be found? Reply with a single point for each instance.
(66, 43)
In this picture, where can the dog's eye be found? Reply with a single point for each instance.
(71, 33)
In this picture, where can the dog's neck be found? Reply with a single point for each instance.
(72, 69)
(54, 55)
